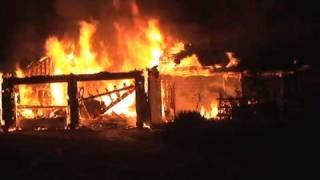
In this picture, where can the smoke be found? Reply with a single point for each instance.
(261, 32)
(23, 31)
(35, 21)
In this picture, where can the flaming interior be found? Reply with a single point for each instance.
(139, 44)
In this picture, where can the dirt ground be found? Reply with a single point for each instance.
(151, 154)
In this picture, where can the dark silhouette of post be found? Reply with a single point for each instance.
(8, 105)
(140, 100)
(73, 103)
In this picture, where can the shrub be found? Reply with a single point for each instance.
(188, 120)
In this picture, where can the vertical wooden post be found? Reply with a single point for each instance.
(73, 103)
(8, 104)
(154, 97)
(141, 105)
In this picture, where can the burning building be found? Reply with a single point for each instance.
(189, 86)
(83, 81)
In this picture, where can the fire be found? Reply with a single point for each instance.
(233, 61)
(67, 61)
(138, 44)
(212, 112)
(188, 66)
(27, 113)
(190, 61)
(59, 96)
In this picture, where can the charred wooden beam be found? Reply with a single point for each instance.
(78, 77)
(73, 103)
(141, 102)
(95, 108)
(42, 123)
(108, 93)
(119, 99)
(39, 107)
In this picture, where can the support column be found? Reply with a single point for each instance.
(141, 101)
(73, 103)
(8, 104)
(154, 97)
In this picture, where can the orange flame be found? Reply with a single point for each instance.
(139, 45)
(212, 112)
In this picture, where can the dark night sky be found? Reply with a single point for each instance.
(263, 33)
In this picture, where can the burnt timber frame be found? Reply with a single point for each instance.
(72, 90)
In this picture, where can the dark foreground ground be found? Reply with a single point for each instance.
(272, 153)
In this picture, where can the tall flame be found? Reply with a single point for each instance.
(138, 45)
